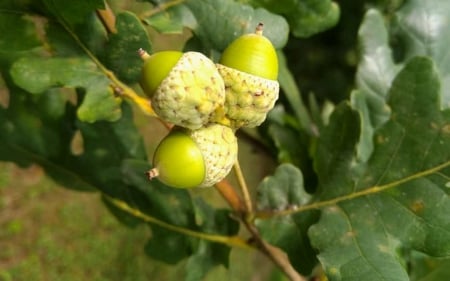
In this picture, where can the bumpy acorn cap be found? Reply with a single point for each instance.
(219, 147)
(190, 93)
(248, 98)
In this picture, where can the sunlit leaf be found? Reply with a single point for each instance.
(422, 29)
(39, 74)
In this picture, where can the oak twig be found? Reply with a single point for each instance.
(276, 255)
(229, 194)
(243, 208)
(120, 88)
(371, 190)
(159, 8)
(231, 241)
(244, 188)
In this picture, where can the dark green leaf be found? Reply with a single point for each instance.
(73, 11)
(94, 40)
(359, 239)
(336, 151)
(207, 254)
(292, 93)
(220, 22)
(167, 246)
(289, 147)
(425, 268)
(356, 247)
(62, 43)
(283, 131)
(121, 51)
(18, 33)
(285, 190)
(213, 220)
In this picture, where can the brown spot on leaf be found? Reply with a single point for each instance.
(417, 206)
(446, 129)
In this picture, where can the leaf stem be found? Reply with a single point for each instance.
(159, 8)
(119, 87)
(244, 187)
(231, 241)
(371, 190)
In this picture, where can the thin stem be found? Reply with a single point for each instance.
(244, 187)
(229, 194)
(231, 241)
(368, 191)
(120, 88)
(276, 255)
(159, 8)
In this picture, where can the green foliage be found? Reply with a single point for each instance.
(235, 19)
(120, 54)
(361, 191)
(305, 18)
(370, 230)
(284, 190)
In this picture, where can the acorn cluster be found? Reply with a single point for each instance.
(207, 102)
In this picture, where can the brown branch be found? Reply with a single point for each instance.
(276, 255)
(244, 188)
(229, 194)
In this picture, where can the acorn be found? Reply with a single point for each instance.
(249, 68)
(185, 88)
(195, 158)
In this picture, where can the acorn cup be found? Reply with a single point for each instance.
(195, 158)
(249, 68)
(185, 88)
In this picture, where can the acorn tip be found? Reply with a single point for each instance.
(152, 173)
(259, 28)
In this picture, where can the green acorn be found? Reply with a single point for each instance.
(249, 68)
(195, 158)
(185, 89)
